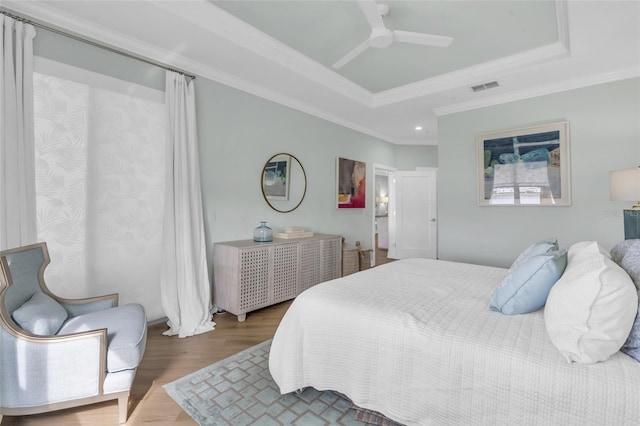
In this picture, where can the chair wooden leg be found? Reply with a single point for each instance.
(123, 408)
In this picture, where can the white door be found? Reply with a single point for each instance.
(413, 214)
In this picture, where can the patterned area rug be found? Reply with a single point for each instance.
(239, 391)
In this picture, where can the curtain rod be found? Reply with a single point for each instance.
(96, 44)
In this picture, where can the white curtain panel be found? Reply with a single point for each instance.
(17, 163)
(186, 290)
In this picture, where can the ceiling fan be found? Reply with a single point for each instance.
(381, 36)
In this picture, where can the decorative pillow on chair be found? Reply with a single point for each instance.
(526, 286)
(40, 315)
(592, 307)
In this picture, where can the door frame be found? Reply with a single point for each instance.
(378, 170)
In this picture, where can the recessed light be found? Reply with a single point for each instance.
(418, 128)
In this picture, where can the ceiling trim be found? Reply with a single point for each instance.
(216, 20)
(223, 24)
(473, 75)
(293, 103)
(562, 19)
(228, 26)
(547, 89)
(41, 12)
(489, 70)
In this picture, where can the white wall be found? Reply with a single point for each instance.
(605, 135)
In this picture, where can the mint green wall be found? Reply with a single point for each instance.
(239, 132)
(408, 157)
(605, 135)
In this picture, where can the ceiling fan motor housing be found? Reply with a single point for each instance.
(380, 37)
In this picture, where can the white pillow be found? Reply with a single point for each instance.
(591, 309)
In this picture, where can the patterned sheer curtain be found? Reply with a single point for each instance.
(100, 169)
(17, 185)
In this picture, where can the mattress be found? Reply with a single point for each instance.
(415, 341)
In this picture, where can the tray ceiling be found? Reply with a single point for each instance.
(326, 30)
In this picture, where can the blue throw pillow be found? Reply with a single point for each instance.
(40, 315)
(527, 284)
(540, 247)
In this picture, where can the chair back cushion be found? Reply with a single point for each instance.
(24, 267)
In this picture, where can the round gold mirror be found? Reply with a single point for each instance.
(283, 182)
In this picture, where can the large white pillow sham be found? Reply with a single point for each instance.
(591, 308)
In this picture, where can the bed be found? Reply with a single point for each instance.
(415, 341)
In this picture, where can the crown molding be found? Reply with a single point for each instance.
(547, 89)
(224, 25)
(485, 71)
(472, 75)
(217, 21)
(40, 12)
(562, 19)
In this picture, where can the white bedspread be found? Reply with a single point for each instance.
(414, 340)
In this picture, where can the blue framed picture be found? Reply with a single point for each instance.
(525, 167)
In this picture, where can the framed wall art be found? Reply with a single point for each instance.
(351, 184)
(525, 167)
(275, 177)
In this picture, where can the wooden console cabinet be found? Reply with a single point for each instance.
(249, 275)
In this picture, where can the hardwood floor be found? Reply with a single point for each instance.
(167, 359)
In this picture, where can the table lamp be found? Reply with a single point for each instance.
(624, 185)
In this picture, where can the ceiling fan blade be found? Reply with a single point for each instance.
(371, 12)
(422, 38)
(349, 56)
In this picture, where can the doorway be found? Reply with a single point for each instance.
(380, 216)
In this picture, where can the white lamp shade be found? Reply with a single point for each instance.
(624, 185)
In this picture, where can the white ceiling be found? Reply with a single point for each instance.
(284, 51)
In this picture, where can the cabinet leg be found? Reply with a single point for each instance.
(242, 317)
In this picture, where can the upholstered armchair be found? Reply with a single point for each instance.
(58, 353)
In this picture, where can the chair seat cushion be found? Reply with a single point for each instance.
(126, 333)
